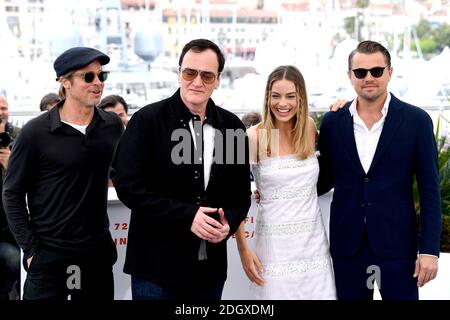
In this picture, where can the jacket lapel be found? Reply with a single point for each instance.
(348, 139)
(390, 126)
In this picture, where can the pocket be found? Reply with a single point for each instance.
(25, 263)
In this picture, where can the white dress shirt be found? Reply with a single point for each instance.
(208, 151)
(367, 139)
(208, 148)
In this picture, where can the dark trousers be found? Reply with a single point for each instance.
(355, 275)
(54, 276)
(9, 269)
(147, 290)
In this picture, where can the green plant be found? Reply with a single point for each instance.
(444, 185)
(317, 117)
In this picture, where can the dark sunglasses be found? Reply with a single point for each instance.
(90, 76)
(189, 74)
(375, 72)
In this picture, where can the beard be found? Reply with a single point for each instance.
(372, 96)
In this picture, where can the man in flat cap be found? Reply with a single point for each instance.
(55, 191)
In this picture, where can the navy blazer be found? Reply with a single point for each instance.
(382, 199)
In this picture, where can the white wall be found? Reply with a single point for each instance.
(237, 285)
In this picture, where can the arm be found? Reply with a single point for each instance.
(312, 132)
(240, 193)
(428, 185)
(326, 175)
(430, 210)
(19, 177)
(252, 134)
(250, 261)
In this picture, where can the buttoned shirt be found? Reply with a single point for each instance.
(55, 190)
(367, 139)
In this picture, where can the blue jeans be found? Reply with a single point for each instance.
(142, 289)
(9, 267)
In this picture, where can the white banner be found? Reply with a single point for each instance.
(237, 286)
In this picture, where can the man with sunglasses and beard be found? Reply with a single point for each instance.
(370, 152)
(55, 191)
(182, 167)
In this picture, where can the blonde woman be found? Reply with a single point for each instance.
(291, 257)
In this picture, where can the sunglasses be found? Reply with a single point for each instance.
(90, 76)
(375, 72)
(207, 77)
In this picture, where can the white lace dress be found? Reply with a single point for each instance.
(290, 238)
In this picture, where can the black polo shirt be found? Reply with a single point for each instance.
(63, 175)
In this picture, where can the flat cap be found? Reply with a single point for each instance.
(77, 58)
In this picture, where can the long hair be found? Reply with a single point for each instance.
(302, 146)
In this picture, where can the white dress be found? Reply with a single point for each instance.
(290, 238)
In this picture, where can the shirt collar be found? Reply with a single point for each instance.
(384, 110)
(184, 113)
(55, 119)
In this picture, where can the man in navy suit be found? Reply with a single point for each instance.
(370, 152)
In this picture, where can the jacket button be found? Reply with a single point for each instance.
(362, 205)
(366, 179)
(196, 175)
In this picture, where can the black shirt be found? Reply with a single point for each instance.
(64, 175)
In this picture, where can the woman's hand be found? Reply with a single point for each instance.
(252, 266)
(338, 104)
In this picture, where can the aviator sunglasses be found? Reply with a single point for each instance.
(376, 72)
(189, 74)
(90, 76)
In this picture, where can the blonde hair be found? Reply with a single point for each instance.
(302, 145)
(62, 90)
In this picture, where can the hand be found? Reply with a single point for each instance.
(225, 227)
(257, 196)
(426, 269)
(205, 227)
(4, 157)
(252, 266)
(338, 104)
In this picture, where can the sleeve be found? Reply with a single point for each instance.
(427, 175)
(241, 191)
(326, 174)
(19, 177)
(134, 156)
